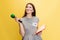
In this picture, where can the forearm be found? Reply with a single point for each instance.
(39, 30)
(21, 30)
(38, 33)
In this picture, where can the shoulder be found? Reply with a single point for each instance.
(36, 18)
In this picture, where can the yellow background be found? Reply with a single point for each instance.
(48, 12)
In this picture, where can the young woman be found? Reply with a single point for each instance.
(28, 24)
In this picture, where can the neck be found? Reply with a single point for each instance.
(29, 16)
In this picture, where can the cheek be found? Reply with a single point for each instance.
(31, 9)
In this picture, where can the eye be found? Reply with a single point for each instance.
(29, 7)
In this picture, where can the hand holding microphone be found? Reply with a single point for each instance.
(16, 19)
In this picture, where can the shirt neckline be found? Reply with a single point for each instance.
(30, 18)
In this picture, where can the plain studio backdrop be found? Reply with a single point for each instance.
(48, 11)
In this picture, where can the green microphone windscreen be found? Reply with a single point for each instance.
(12, 16)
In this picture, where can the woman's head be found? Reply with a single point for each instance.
(30, 9)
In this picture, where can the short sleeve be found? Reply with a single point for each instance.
(37, 19)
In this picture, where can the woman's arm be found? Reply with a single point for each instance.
(39, 31)
(21, 28)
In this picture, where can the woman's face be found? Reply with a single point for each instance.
(29, 9)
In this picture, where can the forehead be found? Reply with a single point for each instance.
(29, 5)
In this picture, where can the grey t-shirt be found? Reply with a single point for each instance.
(30, 26)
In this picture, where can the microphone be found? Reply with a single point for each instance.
(12, 16)
(20, 21)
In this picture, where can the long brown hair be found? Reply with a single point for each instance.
(33, 13)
